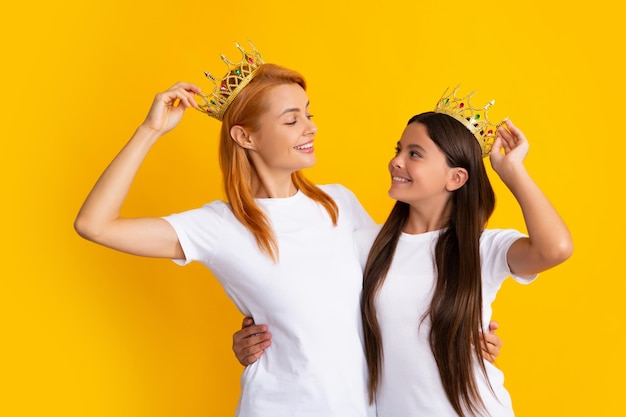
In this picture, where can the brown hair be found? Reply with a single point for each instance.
(238, 169)
(455, 311)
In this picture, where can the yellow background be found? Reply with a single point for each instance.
(90, 332)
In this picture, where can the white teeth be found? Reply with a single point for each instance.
(399, 179)
(305, 146)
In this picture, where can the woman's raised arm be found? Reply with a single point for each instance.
(99, 217)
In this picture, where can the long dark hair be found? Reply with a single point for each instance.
(456, 308)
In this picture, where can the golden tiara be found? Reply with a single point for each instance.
(473, 118)
(238, 76)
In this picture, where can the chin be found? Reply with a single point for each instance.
(310, 162)
(394, 194)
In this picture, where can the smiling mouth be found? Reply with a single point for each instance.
(304, 147)
(399, 179)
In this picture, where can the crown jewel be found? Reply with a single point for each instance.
(238, 76)
(473, 118)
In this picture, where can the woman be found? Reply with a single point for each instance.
(265, 245)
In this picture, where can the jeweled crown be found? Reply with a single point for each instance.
(238, 76)
(474, 118)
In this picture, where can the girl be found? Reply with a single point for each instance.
(433, 270)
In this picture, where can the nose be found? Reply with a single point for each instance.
(396, 162)
(311, 128)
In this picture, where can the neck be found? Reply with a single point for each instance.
(423, 220)
(273, 187)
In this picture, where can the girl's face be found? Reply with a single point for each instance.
(284, 141)
(419, 171)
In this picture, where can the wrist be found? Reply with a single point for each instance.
(515, 176)
(147, 133)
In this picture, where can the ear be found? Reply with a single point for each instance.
(458, 178)
(241, 136)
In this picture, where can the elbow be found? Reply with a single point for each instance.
(85, 228)
(562, 251)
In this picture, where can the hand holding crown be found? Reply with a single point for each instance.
(169, 106)
(509, 150)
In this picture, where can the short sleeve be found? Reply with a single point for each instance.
(494, 247)
(360, 217)
(197, 232)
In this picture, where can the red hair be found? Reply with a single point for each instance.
(237, 168)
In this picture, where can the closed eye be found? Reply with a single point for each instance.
(293, 123)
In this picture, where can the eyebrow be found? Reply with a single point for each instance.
(293, 109)
(411, 146)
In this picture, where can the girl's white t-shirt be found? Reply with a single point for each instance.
(410, 384)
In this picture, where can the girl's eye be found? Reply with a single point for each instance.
(415, 154)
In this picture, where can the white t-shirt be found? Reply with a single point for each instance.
(410, 384)
(309, 299)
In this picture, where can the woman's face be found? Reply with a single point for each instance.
(419, 171)
(284, 141)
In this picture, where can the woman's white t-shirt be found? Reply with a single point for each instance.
(309, 299)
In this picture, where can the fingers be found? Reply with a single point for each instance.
(492, 339)
(490, 343)
(181, 94)
(511, 135)
(496, 147)
(250, 342)
(493, 326)
(250, 331)
(507, 139)
(489, 351)
(247, 322)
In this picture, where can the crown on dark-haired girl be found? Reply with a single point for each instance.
(473, 118)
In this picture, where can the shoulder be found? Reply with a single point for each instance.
(499, 237)
(339, 193)
(213, 210)
(335, 189)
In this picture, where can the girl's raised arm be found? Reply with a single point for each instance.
(549, 242)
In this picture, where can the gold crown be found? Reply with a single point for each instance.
(473, 118)
(238, 76)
